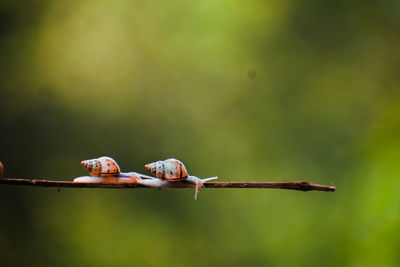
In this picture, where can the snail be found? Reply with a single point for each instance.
(171, 173)
(105, 170)
(103, 166)
(1, 170)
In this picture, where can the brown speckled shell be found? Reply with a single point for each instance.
(169, 169)
(104, 166)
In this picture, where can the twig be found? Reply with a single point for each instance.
(298, 185)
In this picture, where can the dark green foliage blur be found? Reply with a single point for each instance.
(247, 90)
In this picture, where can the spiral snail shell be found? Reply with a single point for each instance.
(1, 170)
(103, 166)
(169, 169)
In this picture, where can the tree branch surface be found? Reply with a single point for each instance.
(297, 185)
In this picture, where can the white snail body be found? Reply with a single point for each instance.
(169, 172)
(108, 180)
(101, 167)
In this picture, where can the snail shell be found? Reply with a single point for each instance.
(1, 170)
(169, 169)
(104, 166)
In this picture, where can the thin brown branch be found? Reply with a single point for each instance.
(298, 185)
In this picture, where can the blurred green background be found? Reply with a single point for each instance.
(247, 90)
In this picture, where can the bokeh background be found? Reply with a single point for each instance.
(246, 90)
